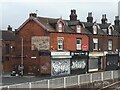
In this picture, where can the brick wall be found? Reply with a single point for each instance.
(69, 40)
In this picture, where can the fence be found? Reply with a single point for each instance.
(64, 82)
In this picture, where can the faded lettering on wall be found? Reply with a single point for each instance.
(40, 43)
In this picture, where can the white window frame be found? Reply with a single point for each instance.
(110, 42)
(94, 29)
(78, 29)
(79, 45)
(59, 27)
(60, 43)
(109, 31)
(95, 43)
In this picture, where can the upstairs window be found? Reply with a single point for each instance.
(95, 43)
(79, 44)
(110, 29)
(60, 43)
(59, 27)
(109, 44)
(94, 29)
(78, 29)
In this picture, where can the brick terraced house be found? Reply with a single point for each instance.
(61, 47)
(51, 46)
(7, 43)
(103, 44)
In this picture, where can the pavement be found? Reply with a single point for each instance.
(7, 79)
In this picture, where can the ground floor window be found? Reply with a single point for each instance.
(93, 64)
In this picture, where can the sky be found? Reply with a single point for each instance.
(15, 12)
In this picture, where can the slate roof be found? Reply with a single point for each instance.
(50, 24)
(72, 25)
(105, 26)
(101, 30)
(117, 28)
(89, 27)
(7, 35)
(88, 24)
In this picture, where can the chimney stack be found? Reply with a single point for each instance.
(117, 21)
(32, 15)
(73, 15)
(9, 28)
(90, 18)
(104, 19)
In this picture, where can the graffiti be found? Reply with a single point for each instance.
(60, 67)
(78, 64)
(45, 67)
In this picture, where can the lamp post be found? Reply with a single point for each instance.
(22, 56)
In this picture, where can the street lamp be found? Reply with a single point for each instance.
(22, 56)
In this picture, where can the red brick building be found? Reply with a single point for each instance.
(45, 45)
(8, 47)
(103, 44)
(60, 47)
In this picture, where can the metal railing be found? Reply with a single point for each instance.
(64, 82)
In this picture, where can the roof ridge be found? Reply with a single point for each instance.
(47, 17)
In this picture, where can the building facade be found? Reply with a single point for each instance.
(45, 45)
(8, 48)
(103, 44)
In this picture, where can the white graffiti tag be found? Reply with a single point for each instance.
(78, 64)
(60, 67)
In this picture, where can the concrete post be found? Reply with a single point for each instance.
(64, 82)
(48, 84)
(78, 79)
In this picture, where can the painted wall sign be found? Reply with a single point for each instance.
(79, 53)
(76, 64)
(96, 54)
(33, 57)
(60, 67)
(40, 43)
(84, 47)
(60, 53)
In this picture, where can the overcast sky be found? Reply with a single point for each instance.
(15, 12)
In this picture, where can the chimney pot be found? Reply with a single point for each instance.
(74, 11)
(90, 14)
(104, 19)
(116, 21)
(90, 18)
(9, 28)
(116, 17)
(71, 11)
(33, 15)
(73, 15)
